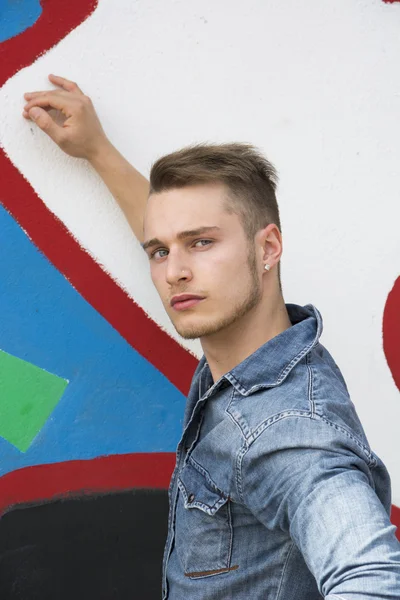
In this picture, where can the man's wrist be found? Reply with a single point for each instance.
(102, 155)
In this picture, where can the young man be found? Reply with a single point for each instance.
(276, 492)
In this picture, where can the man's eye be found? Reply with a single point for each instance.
(202, 243)
(159, 253)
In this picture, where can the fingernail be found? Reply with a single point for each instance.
(34, 113)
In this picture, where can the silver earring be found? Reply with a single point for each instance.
(267, 267)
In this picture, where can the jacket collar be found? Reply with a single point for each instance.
(270, 364)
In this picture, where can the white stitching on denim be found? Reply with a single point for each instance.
(222, 497)
(307, 349)
(296, 359)
(310, 385)
(274, 419)
(239, 477)
(316, 416)
(230, 532)
(371, 458)
(293, 362)
(197, 466)
(284, 569)
(233, 419)
(232, 416)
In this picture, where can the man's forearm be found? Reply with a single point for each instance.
(129, 188)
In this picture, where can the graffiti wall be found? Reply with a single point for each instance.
(93, 376)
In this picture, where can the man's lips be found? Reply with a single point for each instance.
(185, 301)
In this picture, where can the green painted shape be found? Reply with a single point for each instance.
(28, 395)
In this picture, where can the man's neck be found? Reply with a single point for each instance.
(228, 348)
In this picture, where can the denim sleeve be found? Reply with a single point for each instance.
(305, 477)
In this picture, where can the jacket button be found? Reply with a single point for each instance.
(191, 498)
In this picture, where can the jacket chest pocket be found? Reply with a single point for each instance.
(203, 527)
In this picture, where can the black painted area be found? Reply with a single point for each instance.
(92, 548)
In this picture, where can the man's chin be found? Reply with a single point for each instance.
(197, 330)
(189, 333)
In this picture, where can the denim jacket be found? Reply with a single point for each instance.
(276, 493)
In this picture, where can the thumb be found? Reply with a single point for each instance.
(45, 122)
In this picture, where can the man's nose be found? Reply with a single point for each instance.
(177, 269)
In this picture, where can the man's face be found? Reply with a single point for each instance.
(198, 248)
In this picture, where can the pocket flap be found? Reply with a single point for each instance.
(199, 491)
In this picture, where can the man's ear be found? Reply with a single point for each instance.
(271, 244)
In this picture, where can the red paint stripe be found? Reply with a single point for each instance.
(395, 518)
(98, 475)
(55, 22)
(51, 236)
(77, 477)
(391, 331)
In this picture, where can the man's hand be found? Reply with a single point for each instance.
(81, 133)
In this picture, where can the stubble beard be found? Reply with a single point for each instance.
(242, 307)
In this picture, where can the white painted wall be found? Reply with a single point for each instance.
(315, 84)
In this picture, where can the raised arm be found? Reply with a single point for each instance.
(81, 135)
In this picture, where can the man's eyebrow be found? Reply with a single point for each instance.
(182, 235)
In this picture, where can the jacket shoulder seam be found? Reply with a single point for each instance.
(274, 419)
(348, 433)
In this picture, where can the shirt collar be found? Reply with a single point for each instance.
(270, 364)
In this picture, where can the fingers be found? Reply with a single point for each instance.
(66, 84)
(49, 100)
(61, 93)
(46, 123)
(79, 127)
(26, 114)
(31, 95)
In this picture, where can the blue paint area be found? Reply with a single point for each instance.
(116, 401)
(16, 16)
